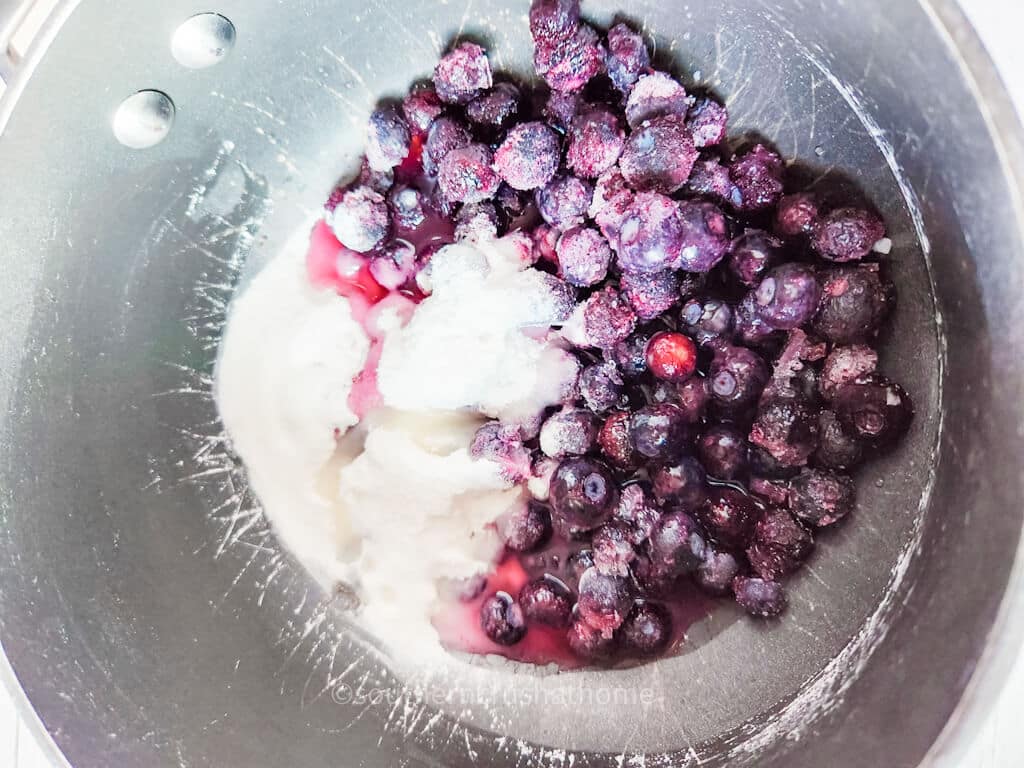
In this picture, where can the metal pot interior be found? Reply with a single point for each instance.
(148, 610)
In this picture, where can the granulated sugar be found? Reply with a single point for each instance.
(477, 342)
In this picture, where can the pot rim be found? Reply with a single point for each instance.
(1006, 635)
(1005, 639)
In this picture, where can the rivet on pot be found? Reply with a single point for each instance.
(144, 119)
(203, 40)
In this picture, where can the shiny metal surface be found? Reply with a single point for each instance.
(147, 610)
(203, 40)
(144, 119)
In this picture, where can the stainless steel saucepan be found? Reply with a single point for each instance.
(148, 613)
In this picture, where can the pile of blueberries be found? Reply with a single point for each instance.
(724, 328)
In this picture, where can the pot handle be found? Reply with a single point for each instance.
(12, 15)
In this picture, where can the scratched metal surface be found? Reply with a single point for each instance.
(147, 608)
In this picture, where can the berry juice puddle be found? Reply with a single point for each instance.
(721, 326)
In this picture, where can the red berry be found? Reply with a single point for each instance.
(615, 442)
(672, 356)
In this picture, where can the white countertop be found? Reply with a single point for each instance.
(1000, 743)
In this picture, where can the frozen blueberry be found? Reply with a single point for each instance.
(671, 356)
(568, 65)
(553, 20)
(655, 95)
(676, 545)
(716, 573)
(753, 254)
(874, 409)
(692, 397)
(465, 175)
(796, 215)
(843, 365)
(737, 376)
(563, 202)
(604, 601)
(387, 139)
(503, 444)
(658, 155)
(583, 493)
(394, 265)
(589, 643)
(638, 509)
(705, 236)
(764, 465)
(798, 349)
(759, 597)
(602, 321)
(577, 564)
(788, 296)
(683, 483)
(612, 547)
(647, 630)
(786, 427)
(361, 221)
(780, 545)
(502, 619)
(526, 528)
(750, 328)
(821, 498)
(706, 319)
(444, 135)
(707, 122)
(477, 222)
(615, 440)
(847, 234)
(547, 601)
(710, 179)
(568, 432)
(659, 432)
(421, 107)
(757, 175)
(446, 208)
(596, 140)
(627, 57)
(651, 235)
(511, 203)
(610, 203)
(408, 208)
(723, 452)
(379, 181)
(854, 302)
(771, 491)
(601, 387)
(651, 581)
(528, 158)
(650, 295)
(729, 517)
(805, 382)
(496, 108)
(583, 256)
(562, 297)
(837, 448)
(631, 355)
(560, 109)
(662, 392)
(462, 74)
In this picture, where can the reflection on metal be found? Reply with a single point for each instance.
(203, 40)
